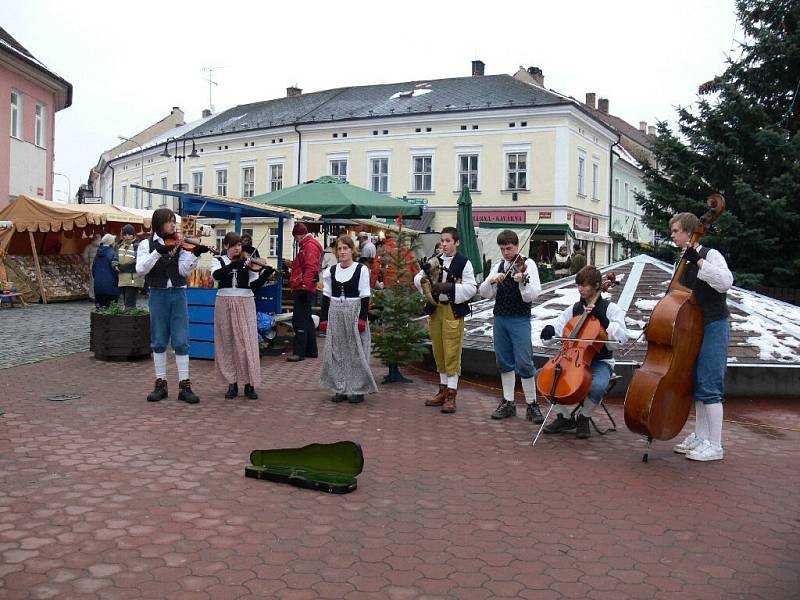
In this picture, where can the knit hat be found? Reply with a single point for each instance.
(299, 229)
(128, 229)
(107, 239)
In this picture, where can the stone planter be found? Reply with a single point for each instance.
(119, 337)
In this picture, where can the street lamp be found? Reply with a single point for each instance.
(69, 184)
(141, 160)
(180, 157)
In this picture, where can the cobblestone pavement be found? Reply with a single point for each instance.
(41, 331)
(110, 497)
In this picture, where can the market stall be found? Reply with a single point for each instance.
(201, 294)
(41, 250)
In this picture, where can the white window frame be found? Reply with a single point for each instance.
(149, 194)
(219, 235)
(595, 181)
(248, 186)
(40, 130)
(469, 172)
(221, 186)
(616, 192)
(581, 174)
(375, 155)
(275, 183)
(197, 182)
(508, 150)
(422, 173)
(125, 194)
(272, 247)
(335, 164)
(136, 193)
(164, 186)
(16, 114)
(627, 194)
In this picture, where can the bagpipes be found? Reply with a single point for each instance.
(432, 269)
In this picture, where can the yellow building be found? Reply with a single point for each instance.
(527, 153)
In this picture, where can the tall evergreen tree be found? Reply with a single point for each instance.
(741, 140)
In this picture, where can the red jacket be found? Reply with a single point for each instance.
(306, 265)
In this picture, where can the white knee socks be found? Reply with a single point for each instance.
(529, 388)
(701, 422)
(714, 423)
(443, 378)
(452, 382)
(160, 364)
(182, 360)
(508, 380)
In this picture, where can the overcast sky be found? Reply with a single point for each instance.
(129, 63)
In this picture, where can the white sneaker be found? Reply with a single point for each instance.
(687, 445)
(705, 451)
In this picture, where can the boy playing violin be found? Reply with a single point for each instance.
(708, 275)
(165, 268)
(515, 284)
(612, 319)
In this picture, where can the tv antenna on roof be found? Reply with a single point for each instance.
(211, 83)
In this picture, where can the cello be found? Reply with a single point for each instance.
(567, 377)
(661, 392)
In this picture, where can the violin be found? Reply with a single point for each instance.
(661, 392)
(518, 265)
(567, 377)
(255, 264)
(178, 240)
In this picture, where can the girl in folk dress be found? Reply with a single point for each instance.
(235, 336)
(345, 300)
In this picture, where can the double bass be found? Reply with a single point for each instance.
(661, 392)
(567, 377)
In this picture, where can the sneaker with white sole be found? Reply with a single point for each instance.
(690, 443)
(705, 451)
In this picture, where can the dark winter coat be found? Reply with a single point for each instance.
(106, 280)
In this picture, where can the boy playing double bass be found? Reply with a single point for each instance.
(612, 319)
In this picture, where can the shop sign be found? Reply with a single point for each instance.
(582, 222)
(595, 224)
(498, 216)
(545, 214)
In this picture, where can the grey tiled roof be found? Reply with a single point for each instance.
(348, 103)
(764, 331)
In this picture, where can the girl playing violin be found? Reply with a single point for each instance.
(515, 284)
(708, 275)
(165, 269)
(235, 335)
(612, 319)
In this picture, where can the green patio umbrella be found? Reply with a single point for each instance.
(466, 231)
(332, 197)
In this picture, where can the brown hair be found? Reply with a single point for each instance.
(686, 221)
(452, 231)
(589, 275)
(347, 241)
(231, 239)
(161, 216)
(506, 237)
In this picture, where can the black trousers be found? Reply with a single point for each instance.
(305, 335)
(128, 295)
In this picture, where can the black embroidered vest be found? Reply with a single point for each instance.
(509, 302)
(455, 272)
(713, 304)
(347, 288)
(165, 269)
(241, 273)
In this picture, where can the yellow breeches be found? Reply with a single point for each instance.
(447, 336)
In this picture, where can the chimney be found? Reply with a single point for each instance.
(590, 99)
(477, 68)
(602, 105)
(652, 130)
(643, 126)
(538, 76)
(206, 113)
(293, 91)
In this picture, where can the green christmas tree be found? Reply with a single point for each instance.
(742, 140)
(398, 336)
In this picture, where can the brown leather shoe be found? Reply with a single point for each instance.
(449, 405)
(438, 399)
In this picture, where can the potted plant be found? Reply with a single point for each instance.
(119, 333)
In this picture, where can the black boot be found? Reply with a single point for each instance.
(583, 431)
(356, 399)
(560, 425)
(186, 394)
(159, 391)
(339, 398)
(505, 409)
(233, 391)
(250, 392)
(532, 413)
